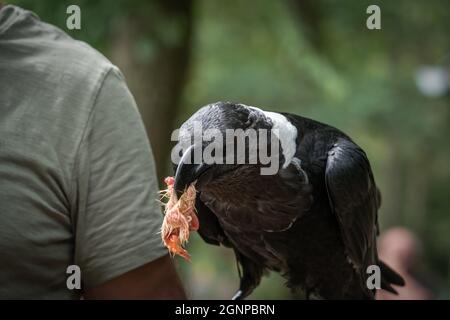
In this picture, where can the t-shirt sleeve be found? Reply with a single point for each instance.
(117, 216)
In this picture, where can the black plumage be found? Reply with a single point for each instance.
(315, 221)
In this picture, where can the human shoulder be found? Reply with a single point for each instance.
(49, 51)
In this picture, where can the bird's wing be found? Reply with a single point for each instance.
(354, 200)
(245, 200)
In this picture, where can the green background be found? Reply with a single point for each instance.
(314, 58)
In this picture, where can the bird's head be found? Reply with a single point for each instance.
(222, 136)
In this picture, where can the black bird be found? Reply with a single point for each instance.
(314, 221)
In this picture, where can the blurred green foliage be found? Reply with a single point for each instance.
(361, 81)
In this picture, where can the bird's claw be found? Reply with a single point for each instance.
(237, 295)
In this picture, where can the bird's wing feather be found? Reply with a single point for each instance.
(354, 200)
(245, 200)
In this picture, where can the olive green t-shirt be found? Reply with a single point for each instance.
(77, 179)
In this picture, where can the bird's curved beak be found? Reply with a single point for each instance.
(187, 171)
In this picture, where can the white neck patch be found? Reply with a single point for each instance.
(285, 131)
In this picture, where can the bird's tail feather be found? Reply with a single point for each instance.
(389, 277)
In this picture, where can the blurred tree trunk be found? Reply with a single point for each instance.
(152, 48)
(309, 14)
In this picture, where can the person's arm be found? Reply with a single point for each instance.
(155, 280)
(117, 217)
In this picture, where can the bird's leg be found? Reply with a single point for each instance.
(250, 274)
(311, 293)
